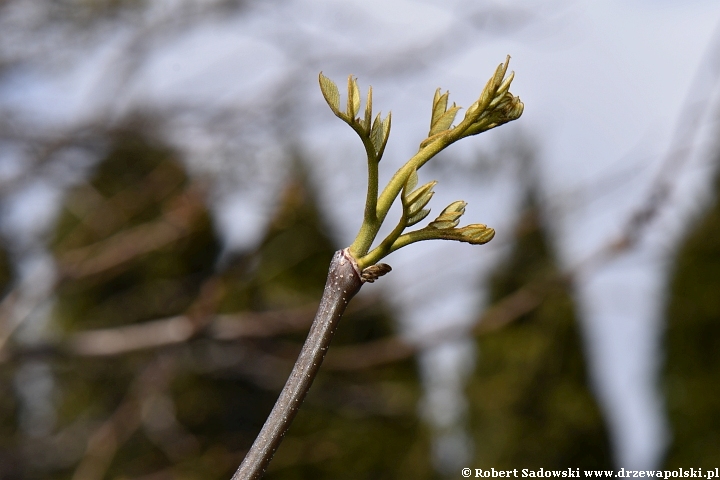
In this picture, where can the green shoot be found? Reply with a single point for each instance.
(495, 107)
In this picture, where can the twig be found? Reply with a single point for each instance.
(358, 263)
(343, 282)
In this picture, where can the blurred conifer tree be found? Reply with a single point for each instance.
(692, 340)
(355, 424)
(134, 243)
(6, 273)
(530, 403)
(8, 404)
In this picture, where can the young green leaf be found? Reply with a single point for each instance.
(486, 96)
(331, 93)
(353, 101)
(490, 92)
(419, 204)
(386, 132)
(456, 206)
(476, 234)
(439, 106)
(442, 225)
(436, 98)
(413, 208)
(471, 110)
(417, 218)
(377, 134)
(410, 183)
(444, 121)
(505, 86)
(450, 216)
(417, 194)
(368, 111)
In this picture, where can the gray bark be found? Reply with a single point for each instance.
(343, 282)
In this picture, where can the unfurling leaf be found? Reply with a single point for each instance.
(436, 99)
(450, 216)
(471, 110)
(507, 109)
(439, 106)
(505, 86)
(491, 87)
(410, 183)
(496, 106)
(368, 111)
(443, 225)
(353, 102)
(386, 130)
(417, 218)
(413, 197)
(331, 93)
(486, 96)
(444, 121)
(456, 206)
(376, 133)
(476, 234)
(413, 208)
(500, 72)
(379, 134)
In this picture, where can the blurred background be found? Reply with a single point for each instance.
(173, 186)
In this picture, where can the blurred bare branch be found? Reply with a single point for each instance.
(133, 242)
(176, 330)
(125, 420)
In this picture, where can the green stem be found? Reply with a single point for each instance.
(396, 183)
(371, 224)
(373, 179)
(416, 236)
(384, 248)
